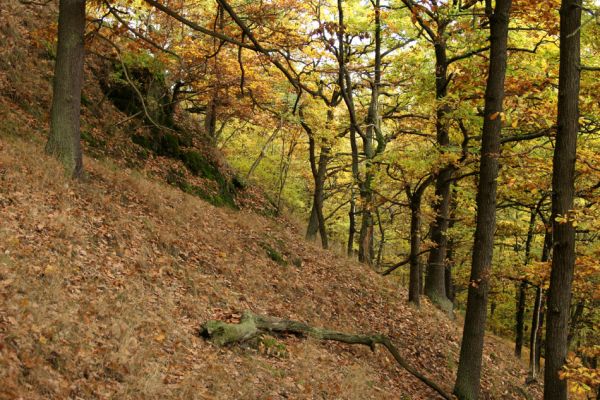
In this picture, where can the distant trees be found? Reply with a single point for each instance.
(563, 192)
(64, 139)
(469, 367)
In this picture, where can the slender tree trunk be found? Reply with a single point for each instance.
(520, 318)
(318, 196)
(521, 296)
(284, 168)
(535, 335)
(319, 172)
(64, 140)
(381, 239)
(469, 366)
(365, 241)
(263, 150)
(537, 320)
(414, 289)
(352, 226)
(449, 284)
(563, 178)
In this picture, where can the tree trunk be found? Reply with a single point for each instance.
(521, 289)
(352, 226)
(373, 134)
(535, 335)
(537, 320)
(263, 150)
(520, 318)
(469, 366)
(64, 140)
(414, 289)
(319, 171)
(563, 178)
(449, 284)
(365, 235)
(252, 326)
(436, 265)
(313, 223)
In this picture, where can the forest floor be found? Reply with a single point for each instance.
(105, 282)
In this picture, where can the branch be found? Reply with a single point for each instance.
(528, 136)
(197, 27)
(252, 326)
(467, 55)
(401, 263)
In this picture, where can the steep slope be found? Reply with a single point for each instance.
(104, 283)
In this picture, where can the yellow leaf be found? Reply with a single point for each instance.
(494, 116)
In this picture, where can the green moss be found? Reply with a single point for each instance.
(274, 254)
(220, 199)
(199, 165)
(168, 145)
(272, 347)
(92, 141)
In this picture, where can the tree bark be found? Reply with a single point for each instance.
(317, 220)
(436, 265)
(563, 178)
(469, 367)
(537, 320)
(520, 317)
(535, 336)
(414, 289)
(351, 226)
(252, 325)
(64, 141)
(521, 296)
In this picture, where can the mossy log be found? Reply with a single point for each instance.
(252, 325)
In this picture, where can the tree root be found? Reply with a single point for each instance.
(252, 325)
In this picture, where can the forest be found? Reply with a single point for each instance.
(445, 151)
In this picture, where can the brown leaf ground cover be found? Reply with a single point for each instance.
(104, 282)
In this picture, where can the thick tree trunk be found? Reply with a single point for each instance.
(435, 287)
(252, 326)
(469, 367)
(313, 223)
(563, 178)
(64, 141)
(372, 135)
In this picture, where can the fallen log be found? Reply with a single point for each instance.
(252, 325)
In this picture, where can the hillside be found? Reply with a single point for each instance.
(105, 282)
